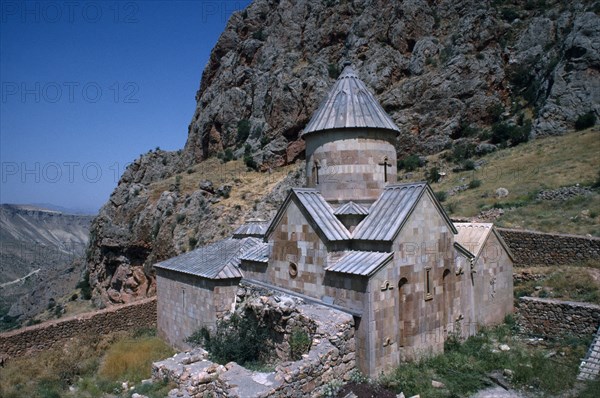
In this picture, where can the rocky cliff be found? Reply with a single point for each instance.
(444, 70)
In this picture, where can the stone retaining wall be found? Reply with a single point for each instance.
(531, 248)
(555, 318)
(331, 356)
(21, 342)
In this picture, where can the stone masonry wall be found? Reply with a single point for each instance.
(331, 356)
(20, 342)
(537, 248)
(182, 297)
(555, 318)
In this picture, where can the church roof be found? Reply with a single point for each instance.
(349, 104)
(391, 210)
(473, 236)
(254, 227)
(259, 253)
(320, 214)
(360, 262)
(351, 209)
(218, 260)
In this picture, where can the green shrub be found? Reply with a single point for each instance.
(469, 165)
(596, 183)
(332, 388)
(464, 130)
(474, 184)
(84, 286)
(180, 218)
(192, 242)
(433, 175)
(505, 134)
(586, 120)
(248, 159)
(410, 163)
(441, 196)
(299, 343)
(333, 70)
(242, 339)
(495, 112)
(462, 151)
(243, 130)
(227, 155)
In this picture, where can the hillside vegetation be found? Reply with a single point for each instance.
(91, 367)
(526, 170)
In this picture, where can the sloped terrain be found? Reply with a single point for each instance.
(38, 253)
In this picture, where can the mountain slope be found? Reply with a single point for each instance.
(37, 250)
(446, 71)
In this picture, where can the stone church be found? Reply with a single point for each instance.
(356, 240)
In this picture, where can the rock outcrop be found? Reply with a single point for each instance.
(444, 71)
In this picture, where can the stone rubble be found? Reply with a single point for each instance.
(331, 355)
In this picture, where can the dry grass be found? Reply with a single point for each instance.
(95, 364)
(546, 163)
(574, 283)
(131, 359)
(248, 185)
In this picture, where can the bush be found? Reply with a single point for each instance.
(227, 155)
(242, 339)
(180, 218)
(474, 184)
(441, 196)
(505, 134)
(299, 343)
(410, 163)
(333, 70)
(248, 159)
(596, 183)
(586, 120)
(192, 242)
(464, 130)
(462, 151)
(243, 130)
(495, 112)
(84, 286)
(433, 175)
(469, 165)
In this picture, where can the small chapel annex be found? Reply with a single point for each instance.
(356, 240)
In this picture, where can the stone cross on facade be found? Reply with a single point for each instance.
(385, 165)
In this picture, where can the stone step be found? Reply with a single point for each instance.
(590, 366)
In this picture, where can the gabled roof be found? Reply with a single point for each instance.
(391, 210)
(218, 260)
(259, 253)
(360, 262)
(349, 104)
(317, 211)
(463, 250)
(351, 208)
(255, 228)
(473, 236)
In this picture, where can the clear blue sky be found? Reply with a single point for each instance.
(87, 86)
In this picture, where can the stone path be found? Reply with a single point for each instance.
(590, 366)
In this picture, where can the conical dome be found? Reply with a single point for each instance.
(349, 105)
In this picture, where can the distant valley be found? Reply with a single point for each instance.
(40, 259)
